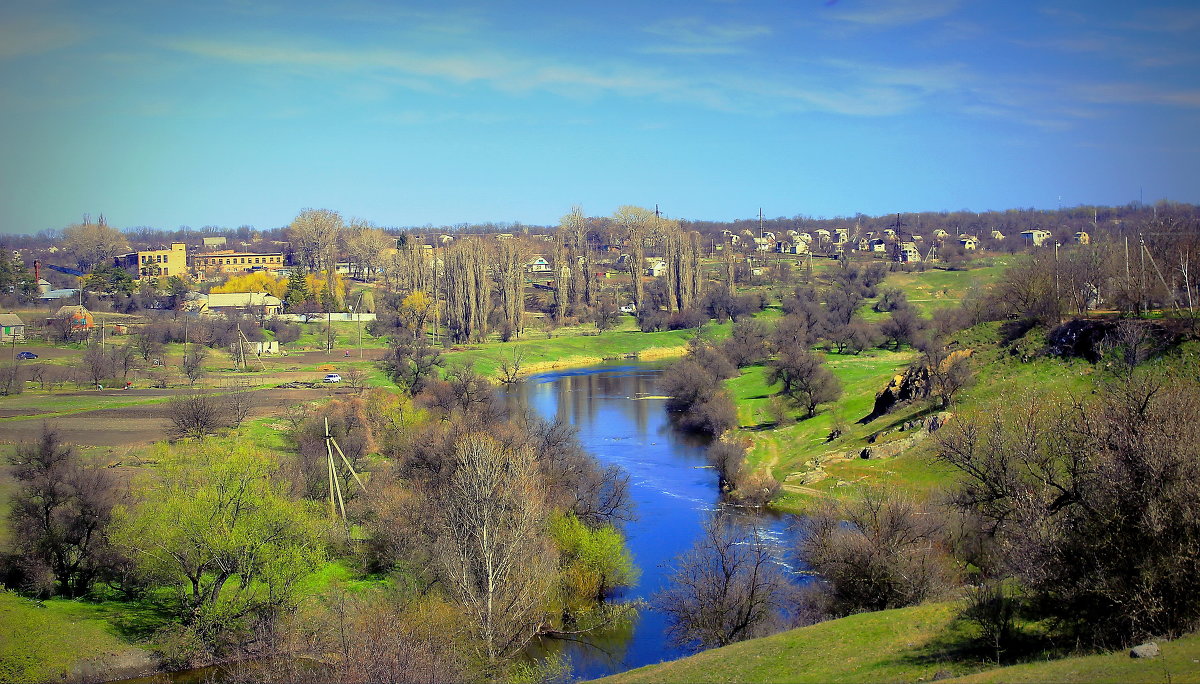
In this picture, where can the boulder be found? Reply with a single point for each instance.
(1146, 650)
(865, 453)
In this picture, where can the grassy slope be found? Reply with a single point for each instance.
(887, 646)
(1179, 663)
(905, 645)
(808, 465)
(47, 641)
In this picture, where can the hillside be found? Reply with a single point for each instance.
(904, 645)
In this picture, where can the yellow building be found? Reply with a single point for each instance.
(214, 263)
(156, 262)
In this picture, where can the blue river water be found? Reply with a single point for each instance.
(622, 420)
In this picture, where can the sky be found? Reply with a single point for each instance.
(244, 112)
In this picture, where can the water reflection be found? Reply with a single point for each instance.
(622, 419)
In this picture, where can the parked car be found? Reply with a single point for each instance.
(26, 356)
(332, 377)
(629, 309)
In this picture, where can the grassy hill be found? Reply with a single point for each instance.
(906, 645)
(888, 646)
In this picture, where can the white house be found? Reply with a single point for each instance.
(968, 242)
(538, 265)
(656, 268)
(12, 328)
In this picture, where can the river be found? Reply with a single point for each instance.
(622, 420)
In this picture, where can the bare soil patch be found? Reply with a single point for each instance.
(142, 423)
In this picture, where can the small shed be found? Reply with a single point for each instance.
(11, 328)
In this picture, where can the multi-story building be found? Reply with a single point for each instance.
(215, 263)
(153, 263)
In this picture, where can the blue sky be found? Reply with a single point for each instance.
(244, 112)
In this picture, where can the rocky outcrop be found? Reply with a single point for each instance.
(914, 383)
(920, 428)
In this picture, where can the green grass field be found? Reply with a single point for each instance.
(55, 640)
(915, 644)
(903, 645)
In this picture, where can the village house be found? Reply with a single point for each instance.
(762, 244)
(153, 263)
(1082, 238)
(997, 235)
(254, 303)
(968, 241)
(216, 263)
(656, 268)
(792, 248)
(878, 245)
(538, 265)
(807, 237)
(1035, 237)
(938, 234)
(12, 328)
(841, 235)
(908, 253)
(77, 317)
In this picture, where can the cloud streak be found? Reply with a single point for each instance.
(889, 13)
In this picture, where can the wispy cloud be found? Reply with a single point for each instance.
(887, 13)
(695, 36)
(1136, 94)
(839, 86)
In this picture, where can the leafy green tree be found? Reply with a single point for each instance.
(592, 561)
(217, 527)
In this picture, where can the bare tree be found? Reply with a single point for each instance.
(639, 226)
(510, 365)
(93, 244)
(97, 363)
(60, 511)
(238, 400)
(877, 551)
(355, 379)
(315, 232)
(193, 363)
(727, 588)
(493, 552)
(195, 414)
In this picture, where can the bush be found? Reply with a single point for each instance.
(285, 332)
(1096, 508)
(683, 320)
(876, 552)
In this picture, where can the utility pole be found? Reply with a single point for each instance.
(1142, 274)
